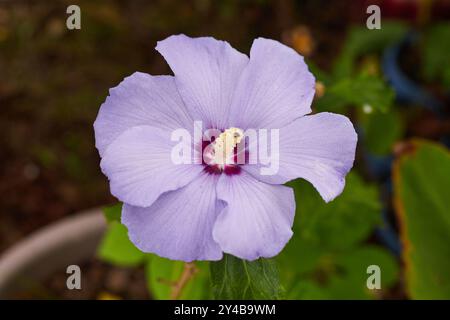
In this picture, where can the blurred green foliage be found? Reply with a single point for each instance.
(361, 91)
(327, 257)
(113, 213)
(380, 122)
(117, 249)
(436, 54)
(362, 41)
(356, 81)
(422, 201)
(381, 130)
(342, 223)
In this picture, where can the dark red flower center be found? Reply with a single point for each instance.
(236, 155)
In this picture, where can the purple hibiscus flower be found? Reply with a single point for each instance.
(198, 211)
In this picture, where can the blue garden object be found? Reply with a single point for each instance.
(407, 91)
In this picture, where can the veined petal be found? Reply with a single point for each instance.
(140, 167)
(179, 224)
(319, 148)
(206, 72)
(274, 89)
(140, 99)
(257, 219)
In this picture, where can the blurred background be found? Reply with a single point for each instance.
(394, 83)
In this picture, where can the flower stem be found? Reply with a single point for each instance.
(188, 272)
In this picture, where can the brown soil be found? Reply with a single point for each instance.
(98, 281)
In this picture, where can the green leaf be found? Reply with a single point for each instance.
(331, 102)
(362, 91)
(421, 187)
(113, 213)
(298, 259)
(343, 275)
(117, 249)
(162, 273)
(233, 278)
(308, 289)
(381, 131)
(351, 281)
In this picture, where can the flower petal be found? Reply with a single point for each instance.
(319, 148)
(206, 72)
(140, 99)
(179, 224)
(274, 89)
(140, 168)
(258, 217)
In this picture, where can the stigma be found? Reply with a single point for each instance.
(223, 153)
(224, 147)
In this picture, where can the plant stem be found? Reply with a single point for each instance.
(188, 272)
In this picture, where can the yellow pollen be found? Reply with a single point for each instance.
(224, 146)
